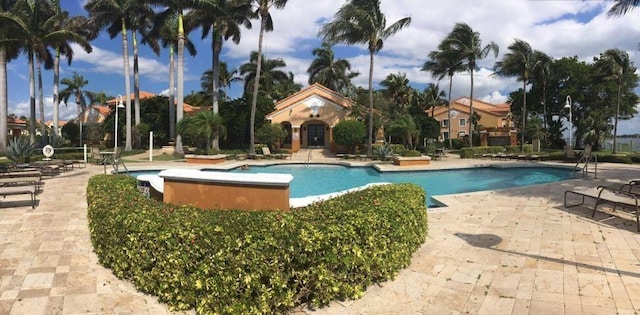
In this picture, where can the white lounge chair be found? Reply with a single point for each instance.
(605, 194)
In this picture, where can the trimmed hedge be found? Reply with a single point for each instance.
(467, 153)
(251, 262)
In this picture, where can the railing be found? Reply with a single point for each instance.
(309, 157)
(586, 160)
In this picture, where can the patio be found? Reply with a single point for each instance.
(514, 251)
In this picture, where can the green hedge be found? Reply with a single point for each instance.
(250, 262)
(467, 153)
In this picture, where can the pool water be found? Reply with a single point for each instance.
(323, 179)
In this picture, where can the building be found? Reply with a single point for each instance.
(309, 116)
(495, 126)
(188, 109)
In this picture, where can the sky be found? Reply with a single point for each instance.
(557, 27)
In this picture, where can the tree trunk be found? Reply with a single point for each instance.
(370, 137)
(449, 111)
(56, 96)
(470, 122)
(180, 91)
(172, 99)
(127, 86)
(32, 100)
(524, 112)
(43, 127)
(217, 48)
(256, 85)
(615, 123)
(4, 97)
(136, 78)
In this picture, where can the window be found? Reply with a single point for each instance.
(445, 123)
(463, 121)
(445, 135)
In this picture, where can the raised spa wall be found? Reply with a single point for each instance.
(222, 190)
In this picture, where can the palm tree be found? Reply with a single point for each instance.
(405, 128)
(226, 77)
(333, 73)
(8, 51)
(34, 24)
(223, 19)
(139, 23)
(542, 71)
(398, 89)
(116, 15)
(75, 86)
(519, 61)
(615, 65)
(206, 124)
(177, 8)
(166, 31)
(434, 97)
(271, 74)
(266, 25)
(76, 28)
(467, 45)
(362, 22)
(621, 7)
(444, 63)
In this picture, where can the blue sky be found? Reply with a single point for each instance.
(559, 28)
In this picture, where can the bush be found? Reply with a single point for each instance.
(615, 158)
(467, 153)
(349, 133)
(271, 134)
(411, 153)
(255, 262)
(19, 150)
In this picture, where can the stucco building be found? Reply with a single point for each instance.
(309, 116)
(495, 126)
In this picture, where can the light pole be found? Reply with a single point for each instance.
(115, 134)
(568, 105)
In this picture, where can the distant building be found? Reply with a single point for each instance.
(16, 127)
(495, 126)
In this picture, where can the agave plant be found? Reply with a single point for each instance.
(382, 152)
(19, 150)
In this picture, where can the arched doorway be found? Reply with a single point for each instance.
(316, 134)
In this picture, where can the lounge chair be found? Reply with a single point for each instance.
(605, 194)
(267, 153)
(20, 190)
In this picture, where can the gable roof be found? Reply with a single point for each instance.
(316, 89)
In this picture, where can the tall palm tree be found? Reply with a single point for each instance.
(333, 73)
(262, 11)
(165, 30)
(443, 63)
(177, 8)
(467, 45)
(519, 62)
(141, 22)
(615, 65)
(542, 71)
(76, 28)
(8, 51)
(116, 15)
(621, 7)
(223, 19)
(271, 74)
(34, 22)
(362, 22)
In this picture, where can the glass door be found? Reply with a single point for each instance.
(315, 135)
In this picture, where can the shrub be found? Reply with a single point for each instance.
(467, 153)
(349, 133)
(381, 152)
(271, 134)
(411, 153)
(255, 262)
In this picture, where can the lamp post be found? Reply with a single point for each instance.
(568, 105)
(115, 134)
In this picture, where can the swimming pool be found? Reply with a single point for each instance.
(321, 179)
